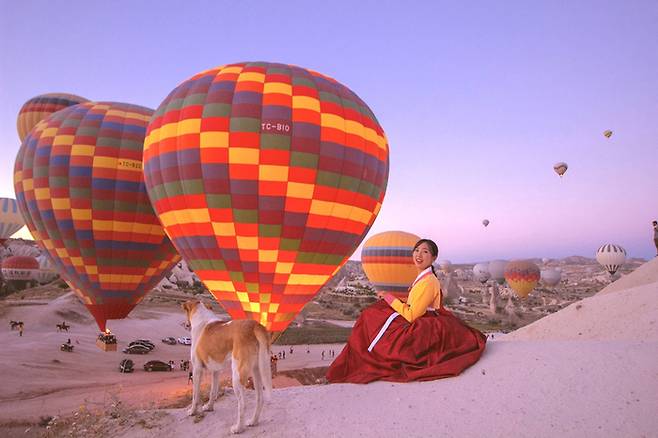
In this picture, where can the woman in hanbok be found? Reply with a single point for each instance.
(401, 341)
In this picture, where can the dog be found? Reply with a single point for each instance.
(245, 343)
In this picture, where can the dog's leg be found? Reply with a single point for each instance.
(258, 386)
(238, 389)
(214, 390)
(219, 391)
(197, 375)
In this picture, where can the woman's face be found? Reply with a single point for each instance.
(423, 257)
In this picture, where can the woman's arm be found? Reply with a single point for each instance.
(419, 301)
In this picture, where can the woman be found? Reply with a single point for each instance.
(404, 341)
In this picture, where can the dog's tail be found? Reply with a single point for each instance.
(264, 360)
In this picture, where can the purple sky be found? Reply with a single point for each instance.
(478, 99)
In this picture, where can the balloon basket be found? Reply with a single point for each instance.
(107, 342)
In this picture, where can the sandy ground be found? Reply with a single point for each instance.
(590, 370)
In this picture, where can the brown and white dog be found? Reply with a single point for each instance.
(245, 343)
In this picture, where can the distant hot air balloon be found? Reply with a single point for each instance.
(266, 177)
(560, 168)
(445, 266)
(550, 277)
(46, 272)
(545, 260)
(611, 257)
(79, 184)
(19, 270)
(607, 133)
(522, 276)
(10, 218)
(485, 222)
(386, 260)
(497, 270)
(40, 107)
(481, 272)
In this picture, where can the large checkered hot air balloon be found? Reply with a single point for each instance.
(40, 107)
(522, 276)
(387, 261)
(10, 218)
(79, 184)
(266, 177)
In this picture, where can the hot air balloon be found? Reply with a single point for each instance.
(497, 270)
(607, 133)
(545, 260)
(46, 272)
(79, 185)
(550, 277)
(386, 260)
(560, 168)
(19, 270)
(10, 219)
(40, 107)
(522, 276)
(611, 257)
(481, 272)
(445, 266)
(485, 223)
(266, 177)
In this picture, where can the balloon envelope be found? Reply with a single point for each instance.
(607, 133)
(10, 218)
(551, 277)
(560, 168)
(79, 183)
(522, 276)
(445, 266)
(19, 268)
(611, 257)
(481, 272)
(485, 222)
(497, 270)
(387, 261)
(40, 107)
(266, 177)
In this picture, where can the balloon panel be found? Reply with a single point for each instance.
(10, 218)
(522, 276)
(266, 178)
(79, 183)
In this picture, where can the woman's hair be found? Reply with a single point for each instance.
(434, 250)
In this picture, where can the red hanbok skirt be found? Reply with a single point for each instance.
(436, 345)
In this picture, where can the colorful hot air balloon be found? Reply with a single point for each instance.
(386, 260)
(607, 133)
(497, 270)
(522, 276)
(560, 168)
(485, 223)
(481, 272)
(550, 277)
(611, 257)
(40, 107)
(19, 268)
(79, 183)
(10, 218)
(266, 177)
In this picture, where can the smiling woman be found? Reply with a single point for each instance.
(427, 343)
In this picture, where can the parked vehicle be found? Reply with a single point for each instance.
(66, 347)
(185, 341)
(143, 345)
(137, 349)
(169, 340)
(157, 365)
(126, 366)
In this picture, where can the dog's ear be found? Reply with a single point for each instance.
(208, 306)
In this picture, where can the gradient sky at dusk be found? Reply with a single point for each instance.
(478, 100)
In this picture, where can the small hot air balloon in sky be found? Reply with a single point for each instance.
(79, 185)
(607, 133)
(497, 270)
(387, 261)
(611, 257)
(40, 107)
(551, 277)
(560, 168)
(266, 177)
(481, 272)
(485, 222)
(522, 276)
(10, 218)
